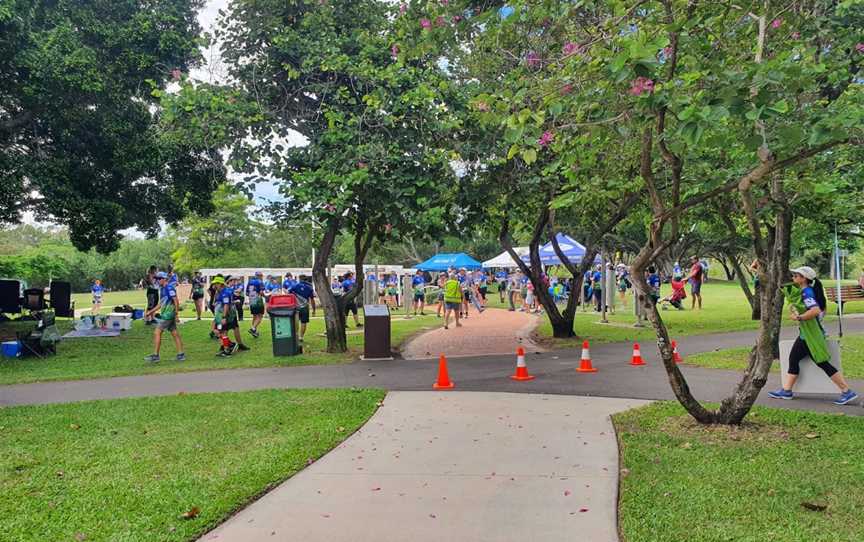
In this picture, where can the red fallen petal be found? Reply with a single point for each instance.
(567, 493)
(376, 489)
(325, 515)
(583, 509)
(433, 516)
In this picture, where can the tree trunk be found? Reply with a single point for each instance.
(730, 273)
(562, 325)
(776, 262)
(752, 298)
(333, 307)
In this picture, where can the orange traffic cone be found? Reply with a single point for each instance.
(521, 368)
(637, 356)
(676, 357)
(585, 366)
(444, 382)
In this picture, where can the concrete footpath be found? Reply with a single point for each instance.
(450, 466)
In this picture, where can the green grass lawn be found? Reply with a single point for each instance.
(136, 298)
(851, 351)
(725, 309)
(681, 481)
(124, 355)
(129, 469)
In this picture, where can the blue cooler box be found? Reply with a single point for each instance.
(11, 349)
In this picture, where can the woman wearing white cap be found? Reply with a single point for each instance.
(807, 300)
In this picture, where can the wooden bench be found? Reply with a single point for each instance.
(852, 292)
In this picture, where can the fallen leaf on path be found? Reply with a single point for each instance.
(340, 429)
(811, 435)
(192, 513)
(74, 426)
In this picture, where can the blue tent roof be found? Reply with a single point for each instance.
(569, 246)
(443, 262)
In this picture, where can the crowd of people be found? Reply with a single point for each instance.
(225, 298)
(456, 290)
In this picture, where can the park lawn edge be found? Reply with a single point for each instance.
(273, 485)
(663, 429)
(281, 471)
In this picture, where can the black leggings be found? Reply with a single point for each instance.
(799, 352)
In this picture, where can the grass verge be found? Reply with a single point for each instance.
(124, 355)
(851, 352)
(725, 310)
(130, 469)
(682, 481)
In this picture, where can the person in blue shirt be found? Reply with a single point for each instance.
(501, 280)
(815, 303)
(482, 281)
(271, 286)
(226, 316)
(255, 293)
(305, 295)
(418, 282)
(597, 287)
(347, 285)
(97, 291)
(288, 282)
(169, 315)
(654, 284)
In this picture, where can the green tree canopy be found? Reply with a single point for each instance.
(80, 143)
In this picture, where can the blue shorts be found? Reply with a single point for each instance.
(695, 287)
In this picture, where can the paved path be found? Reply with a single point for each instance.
(555, 373)
(495, 331)
(468, 467)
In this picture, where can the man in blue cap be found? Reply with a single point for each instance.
(255, 291)
(169, 316)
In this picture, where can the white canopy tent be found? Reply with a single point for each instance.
(504, 259)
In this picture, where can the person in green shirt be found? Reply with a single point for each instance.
(452, 299)
(807, 305)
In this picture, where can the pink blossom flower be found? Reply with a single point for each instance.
(394, 51)
(859, 47)
(776, 23)
(388, 228)
(330, 208)
(482, 106)
(403, 8)
(439, 21)
(566, 89)
(176, 74)
(425, 23)
(361, 165)
(795, 35)
(457, 18)
(667, 52)
(445, 2)
(546, 138)
(570, 48)
(532, 59)
(640, 85)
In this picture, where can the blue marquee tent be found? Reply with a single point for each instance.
(443, 262)
(572, 249)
